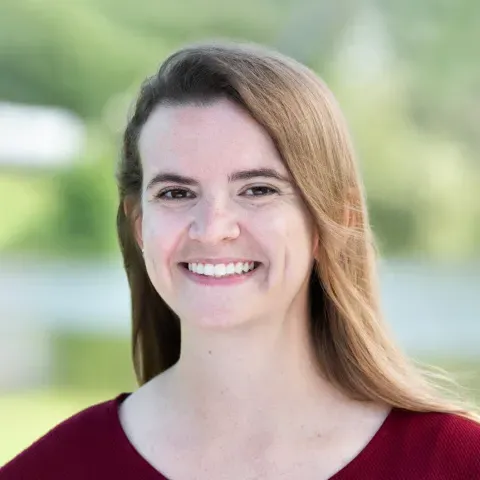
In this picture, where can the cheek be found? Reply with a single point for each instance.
(286, 234)
(161, 235)
(289, 225)
(270, 228)
(299, 240)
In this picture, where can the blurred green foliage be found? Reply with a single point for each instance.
(80, 355)
(414, 111)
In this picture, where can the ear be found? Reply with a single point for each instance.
(133, 212)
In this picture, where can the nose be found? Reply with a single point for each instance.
(214, 223)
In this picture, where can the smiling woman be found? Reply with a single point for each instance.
(258, 341)
(218, 204)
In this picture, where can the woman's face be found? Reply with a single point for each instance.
(227, 238)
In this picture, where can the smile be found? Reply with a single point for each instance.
(220, 270)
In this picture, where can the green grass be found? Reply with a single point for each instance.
(88, 369)
(25, 416)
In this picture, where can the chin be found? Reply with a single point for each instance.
(213, 319)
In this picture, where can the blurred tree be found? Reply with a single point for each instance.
(422, 187)
(438, 41)
(313, 30)
(79, 54)
(87, 55)
(66, 54)
(70, 212)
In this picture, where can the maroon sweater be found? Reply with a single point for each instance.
(408, 446)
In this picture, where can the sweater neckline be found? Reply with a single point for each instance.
(148, 472)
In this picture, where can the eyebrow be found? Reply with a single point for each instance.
(170, 177)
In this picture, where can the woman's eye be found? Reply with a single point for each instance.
(175, 194)
(260, 191)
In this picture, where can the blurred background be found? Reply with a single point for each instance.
(408, 78)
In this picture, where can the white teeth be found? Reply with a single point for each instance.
(221, 269)
(209, 270)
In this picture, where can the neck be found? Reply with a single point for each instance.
(265, 375)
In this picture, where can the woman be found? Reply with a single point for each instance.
(258, 340)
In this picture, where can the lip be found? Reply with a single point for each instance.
(217, 281)
(216, 261)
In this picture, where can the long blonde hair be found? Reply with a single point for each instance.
(351, 342)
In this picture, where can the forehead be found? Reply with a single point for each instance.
(208, 140)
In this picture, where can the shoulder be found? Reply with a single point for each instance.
(446, 427)
(448, 442)
(78, 438)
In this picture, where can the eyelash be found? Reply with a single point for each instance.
(163, 194)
